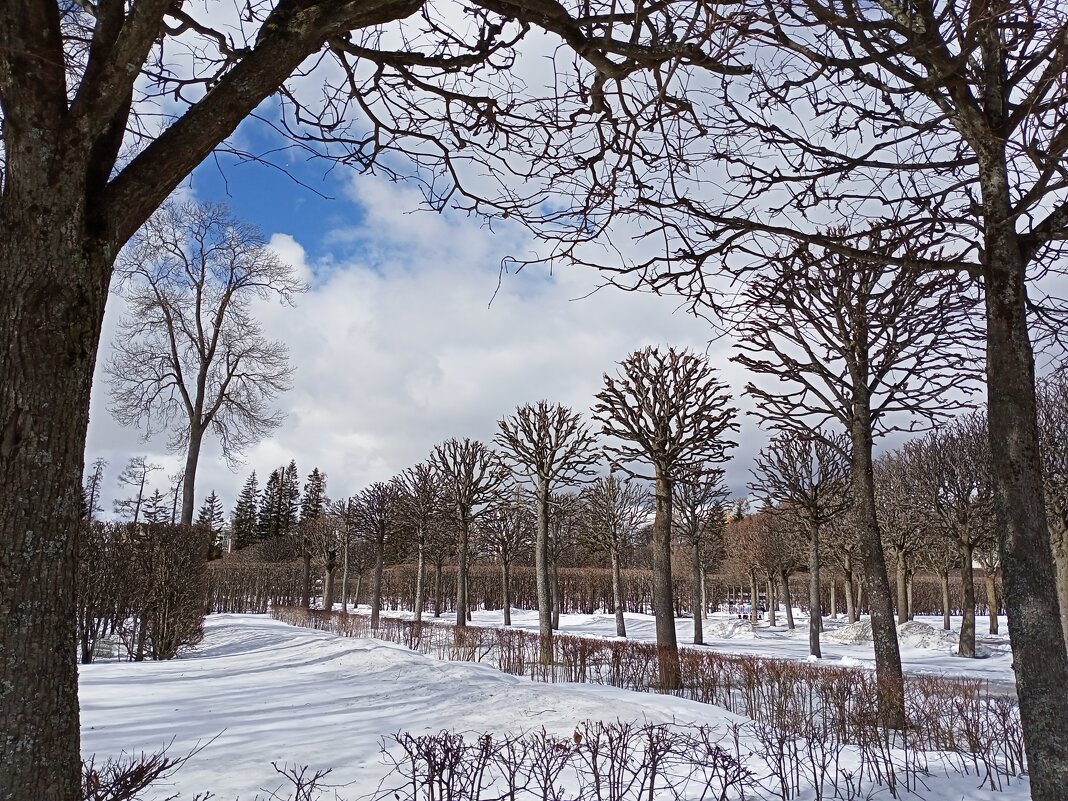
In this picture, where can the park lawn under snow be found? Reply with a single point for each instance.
(264, 692)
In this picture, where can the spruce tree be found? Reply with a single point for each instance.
(313, 504)
(154, 509)
(289, 500)
(270, 507)
(243, 522)
(211, 515)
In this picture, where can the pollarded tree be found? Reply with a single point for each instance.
(700, 512)
(565, 522)
(957, 490)
(189, 357)
(135, 475)
(505, 531)
(614, 510)
(808, 475)
(898, 483)
(546, 446)
(472, 478)
(82, 168)
(670, 411)
(1053, 430)
(419, 507)
(868, 345)
(374, 515)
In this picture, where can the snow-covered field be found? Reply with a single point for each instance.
(267, 692)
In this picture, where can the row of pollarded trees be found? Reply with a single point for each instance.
(668, 416)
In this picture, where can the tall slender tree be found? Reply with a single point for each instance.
(670, 411)
(244, 520)
(189, 357)
(212, 517)
(419, 505)
(135, 475)
(547, 446)
(93, 486)
(699, 506)
(472, 478)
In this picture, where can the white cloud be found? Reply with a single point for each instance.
(399, 347)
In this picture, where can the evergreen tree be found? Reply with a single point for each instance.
(244, 521)
(269, 514)
(155, 508)
(91, 491)
(313, 504)
(211, 515)
(289, 500)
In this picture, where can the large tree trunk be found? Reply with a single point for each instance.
(754, 594)
(617, 595)
(541, 570)
(506, 592)
(902, 586)
(967, 624)
(698, 596)
(1040, 656)
(815, 604)
(192, 458)
(438, 589)
(558, 599)
(663, 596)
(990, 580)
(887, 653)
(850, 597)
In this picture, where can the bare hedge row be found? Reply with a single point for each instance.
(961, 717)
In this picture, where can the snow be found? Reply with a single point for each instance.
(261, 692)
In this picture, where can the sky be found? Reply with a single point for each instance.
(400, 342)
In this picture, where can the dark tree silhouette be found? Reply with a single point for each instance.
(135, 475)
(505, 531)
(81, 169)
(670, 411)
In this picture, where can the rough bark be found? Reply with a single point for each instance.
(990, 581)
(506, 592)
(1060, 556)
(772, 603)
(617, 595)
(461, 575)
(884, 633)
(420, 582)
(1040, 657)
(902, 588)
(815, 606)
(663, 600)
(787, 600)
(192, 459)
(376, 584)
(698, 600)
(51, 306)
(967, 624)
(541, 570)
(943, 579)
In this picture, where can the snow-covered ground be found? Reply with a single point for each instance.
(267, 692)
(925, 647)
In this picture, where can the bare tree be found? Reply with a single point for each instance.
(189, 357)
(862, 344)
(546, 446)
(948, 124)
(699, 514)
(898, 483)
(472, 478)
(505, 531)
(668, 410)
(86, 157)
(374, 513)
(957, 489)
(419, 506)
(93, 486)
(807, 474)
(1053, 426)
(614, 510)
(135, 475)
